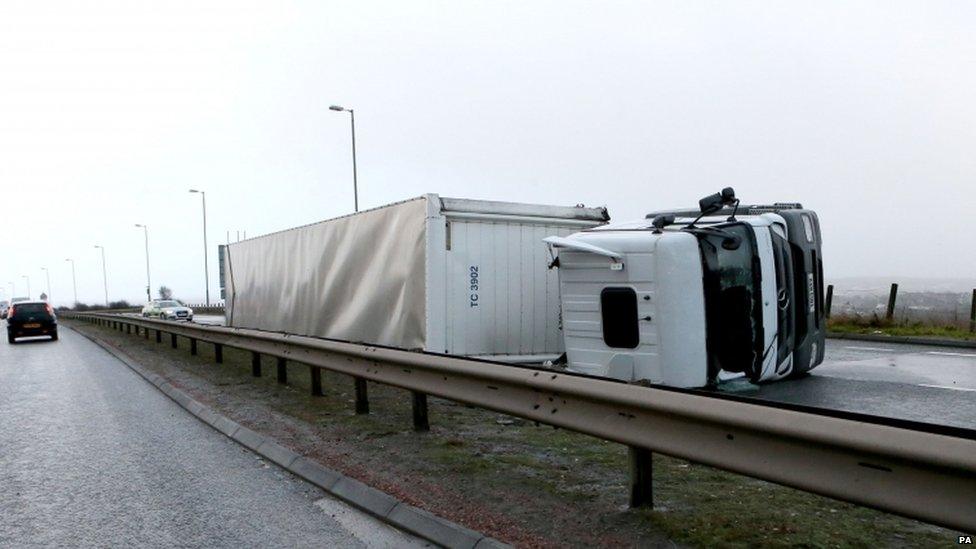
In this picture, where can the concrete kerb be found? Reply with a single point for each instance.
(249, 439)
(380, 504)
(908, 340)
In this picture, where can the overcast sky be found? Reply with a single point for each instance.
(111, 111)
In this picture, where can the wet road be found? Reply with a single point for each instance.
(92, 455)
(914, 382)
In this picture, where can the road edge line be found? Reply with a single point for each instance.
(375, 502)
(907, 340)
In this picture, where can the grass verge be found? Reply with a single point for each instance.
(875, 325)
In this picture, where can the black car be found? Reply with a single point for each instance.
(31, 318)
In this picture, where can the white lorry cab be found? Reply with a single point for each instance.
(684, 297)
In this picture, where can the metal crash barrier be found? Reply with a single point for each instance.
(921, 471)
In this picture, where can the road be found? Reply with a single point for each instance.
(913, 382)
(92, 455)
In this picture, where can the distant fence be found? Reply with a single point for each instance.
(944, 308)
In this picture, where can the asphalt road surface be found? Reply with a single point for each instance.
(919, 383)
(92, 455)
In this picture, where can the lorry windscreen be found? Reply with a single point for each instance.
(733, 300)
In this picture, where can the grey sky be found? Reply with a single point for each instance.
(110, 111)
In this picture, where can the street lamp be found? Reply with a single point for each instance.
(104, 273)
(206, 268)
(74, 282)
(355, 183)
(145, 231)
(28, 285)
(48, 275)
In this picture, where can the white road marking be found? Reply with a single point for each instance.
(944, 353)
(882, 349)
(947, 387)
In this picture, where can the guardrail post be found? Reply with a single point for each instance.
(255, 364)
(641, 477)
(282, 370)
(890, 313)
(420, 422)
(218, 353)
(362, 398)
(145, 332)
(193, 346)
(159, 336)
(972, 314)
(172, 340)
(316, 374)
(128, 328)
(829, 301)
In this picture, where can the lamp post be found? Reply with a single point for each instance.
(104, 273)
(145, 231)
(74, 282)
(28, 285)
(355, 183)
(206, 268)
(48, 275)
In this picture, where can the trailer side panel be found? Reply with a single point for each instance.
(355, 278)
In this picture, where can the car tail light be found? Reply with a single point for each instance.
(50, 310)
(10, 312)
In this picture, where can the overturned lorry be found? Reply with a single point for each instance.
(446, 275)
(684, 297)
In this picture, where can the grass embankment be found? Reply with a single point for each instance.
(526, 484)
(876, 325)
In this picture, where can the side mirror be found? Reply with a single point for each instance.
(662, 221)
(714, 202)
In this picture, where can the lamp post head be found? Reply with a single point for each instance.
(336, 108)
(139, 225)
(97, 246)
(195, 191)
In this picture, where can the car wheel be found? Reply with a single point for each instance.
(54, 335)
(11, 339)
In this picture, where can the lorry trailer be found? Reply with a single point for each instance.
(445, 275)
(682, 296)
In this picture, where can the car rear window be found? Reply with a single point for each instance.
(22, 309)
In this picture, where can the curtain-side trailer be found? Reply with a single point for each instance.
(446, 275)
